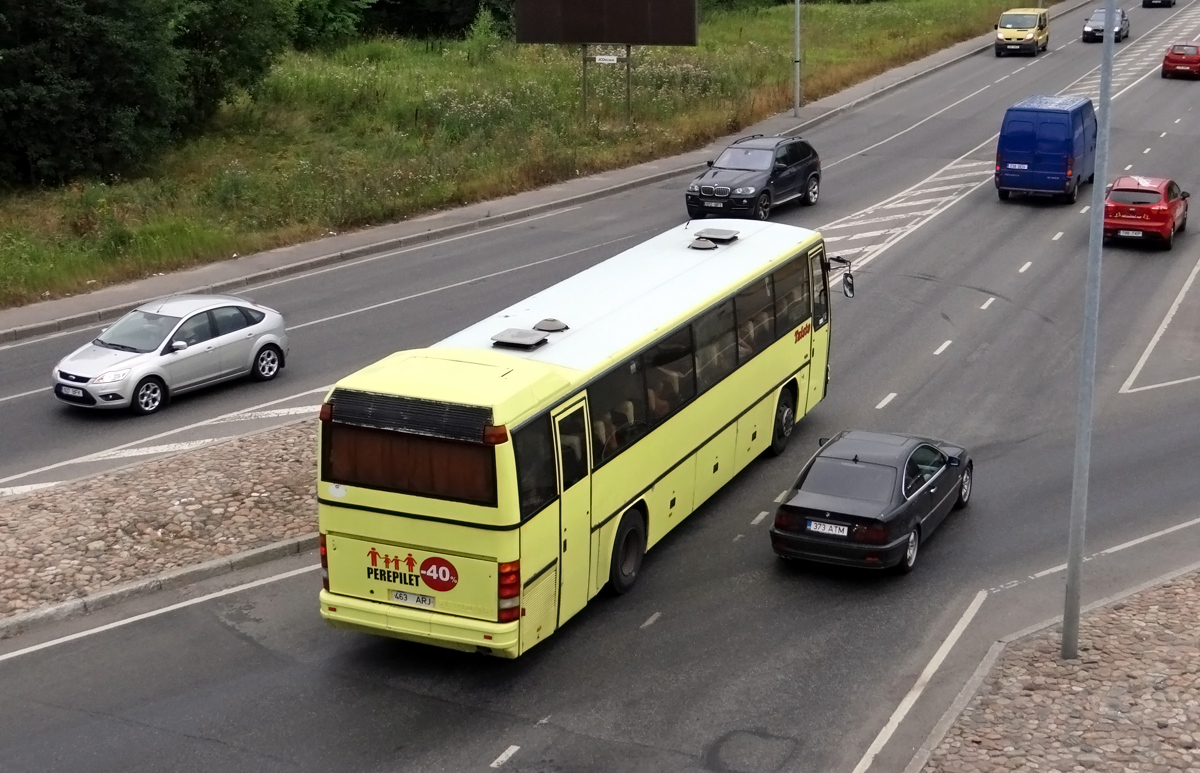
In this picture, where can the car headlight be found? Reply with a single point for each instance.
(1087, 29)
(747, 191)
(1029, 36)
(999, 36)
(111, 377)
(693, 188)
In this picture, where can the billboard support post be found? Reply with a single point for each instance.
(585, 61)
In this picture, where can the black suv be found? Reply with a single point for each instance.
(755, 174)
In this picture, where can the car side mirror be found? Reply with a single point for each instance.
(954, 461)
(179, 346)
(710, 163)
(780, 166)
(822, 441)
(1185, 195)
(995, 26)
(848, 285)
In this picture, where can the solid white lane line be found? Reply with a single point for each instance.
(1025, 268)
(758, 518)
(1127, 168)
(911, 698)
(891, 396)
(1056, 236)
(25, 394)
(167, 448)
(1158, 334)
(942, 348)
(299, 410)
(902, 132)
(155, 613)
(503, 758)
(463, 283)
(987, 303)
(1000, 79)
(167, 433)
(1085, 209)
(6, 492)
(781, 496)
(1051, 570)
(1146, 538)
(651, 620)
(414, 248)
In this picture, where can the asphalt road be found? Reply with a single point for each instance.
(722, 659)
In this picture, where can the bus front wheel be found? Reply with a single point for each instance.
(628, 549)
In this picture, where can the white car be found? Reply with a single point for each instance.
(171, 346)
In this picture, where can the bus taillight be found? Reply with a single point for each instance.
(495, 436)
(509, 589)
(326, 412)
(324, 564)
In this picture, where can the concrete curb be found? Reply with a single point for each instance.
(969, 690)
(112, 312)
(170, 580)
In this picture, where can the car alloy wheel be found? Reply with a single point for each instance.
(814, 191)
(148, 397)
(911, 549)
(964, 488)
(762, 207)
(266, 364)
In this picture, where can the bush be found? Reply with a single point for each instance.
(86, 86)
(327, 22)
(227, 45)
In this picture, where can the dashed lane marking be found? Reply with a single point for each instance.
(758, 518)
(505, 756)
(650, 621)
(942, 348)
(1056, 236)
(1085, 209)
(987, 303)
(891, 396)
(1025, 268)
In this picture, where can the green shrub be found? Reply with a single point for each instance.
(327, 22)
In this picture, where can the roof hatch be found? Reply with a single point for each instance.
(518, 338)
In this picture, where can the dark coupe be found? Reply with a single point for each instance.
(869, 499)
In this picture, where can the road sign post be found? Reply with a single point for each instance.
(1087, 354)
(796, 64)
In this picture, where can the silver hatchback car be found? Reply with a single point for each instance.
(171, 346)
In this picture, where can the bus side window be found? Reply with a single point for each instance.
(791, 296)
(755, 318)
(716, 346)
(619, 405)
(670, 376)
(537, 481)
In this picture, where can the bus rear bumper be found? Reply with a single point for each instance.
(456, 633)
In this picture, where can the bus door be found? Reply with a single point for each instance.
(820, 328)
(575, 510)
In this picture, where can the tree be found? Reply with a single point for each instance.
(325, 22)
(86, 86)
(227, 45)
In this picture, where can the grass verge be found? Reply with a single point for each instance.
(384, 129)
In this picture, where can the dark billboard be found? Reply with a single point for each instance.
(631, 22)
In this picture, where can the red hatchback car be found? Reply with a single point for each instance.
(1182, 59)
(1145, 208)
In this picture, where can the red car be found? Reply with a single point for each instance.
(1182, 59)
(1151, 208)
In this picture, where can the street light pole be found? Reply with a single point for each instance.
(1087, 356)
(796, 65)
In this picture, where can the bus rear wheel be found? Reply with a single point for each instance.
(785, 421)
(629, 547)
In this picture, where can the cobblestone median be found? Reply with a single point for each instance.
(76, 539)
(1131, 702)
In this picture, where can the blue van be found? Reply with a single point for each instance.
(1047, 146)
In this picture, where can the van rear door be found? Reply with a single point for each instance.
(1015, 150)
(1054, 146)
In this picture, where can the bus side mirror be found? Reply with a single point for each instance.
(848, 285)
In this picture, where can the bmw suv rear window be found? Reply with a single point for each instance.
(1123, 196)
(850, 480)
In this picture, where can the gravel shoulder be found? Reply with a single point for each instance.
(77, 539)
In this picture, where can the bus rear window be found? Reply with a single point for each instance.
(409, 464)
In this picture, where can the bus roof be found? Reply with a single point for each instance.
(615, 306)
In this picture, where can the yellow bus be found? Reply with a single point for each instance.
(477, 493)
